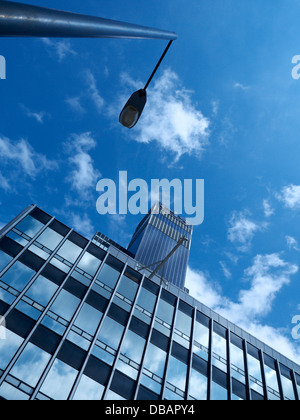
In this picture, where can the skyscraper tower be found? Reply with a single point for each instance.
(156, 236)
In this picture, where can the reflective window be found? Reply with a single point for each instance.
(183, 329)
(164, 317)
(88, 390)
(89, 264)
(198, 386)
(69, 251)
(108, 340)
(154, 367)
(218, 393)
(254, 368)
(59, 381)
(65, 305)
(237, 359)
(127, 289)
(287, 385)
(17, 238)
(219, 352)
(4, 260)
(30, 365)
(18, 276)
(9, 347)
(10, 393)
(201, 340)
(108, 276)
(298, 383)
(146, 300)
(177, 372)
(271, 378)
(88, 319)
(42, 290)
(30, 226)
(112, 396)
(132, 350)
(50, 239)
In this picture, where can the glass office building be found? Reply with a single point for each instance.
(156, 236)
(82, 324)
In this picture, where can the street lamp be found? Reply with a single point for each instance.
(135, 105)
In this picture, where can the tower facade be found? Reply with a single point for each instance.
(79, 322)
(156, 236)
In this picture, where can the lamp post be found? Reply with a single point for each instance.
(135, 105)
(24, 20)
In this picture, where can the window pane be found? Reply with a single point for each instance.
(89, 264)
(4, 260)
(201, 340)
(108, 276)
(237, 363)
(88, 390)
(272, 384)
(183, 323)
(42, 290)
(88, 319)
(198, 386)
(219, 352)
(65, 305)
(155, 360)
(69, 251)
(255, 374)
(30, 365)
(59, 381)
(30, 226)
(132, 349)
(177, 372)
(50, 239)
(127, 288)
(146, 300)
(218, 393)
(9, 347)
(18, 276)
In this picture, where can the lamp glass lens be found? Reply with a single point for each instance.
(129, 116)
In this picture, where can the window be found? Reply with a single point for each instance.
(30, 226)
(18, 276)
(50, 239)
(254, 368)
(30, 365)
(42, 290)
(9, 347)
(4, 260)
(198, 386)
(88, 319)
(287, 385)
(219, 348)
(63, 376)
(237, 358)
(108, 276)
(201, 340)
(176, 379)
(89, 264)
(271, 378)
(108, 340)
(164, 317)
(154, 367)
(88, 390)
(131, 351)
(126, 293)
(183, 329)
(69, 251)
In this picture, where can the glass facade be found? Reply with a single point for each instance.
(83, 324)
(156, 236)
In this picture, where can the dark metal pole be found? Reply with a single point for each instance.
(23, 20)
(158, 64)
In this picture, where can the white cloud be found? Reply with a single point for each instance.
(171, 119)
(93, 91)
(267, 276)
(290, 196)
(83, 176)
(21, 155)
(60, 48)
(75, 104)
(292, 243)
(225, 269)
(268, 209)
(82, 224)
(242, 230)
(238, 85)
(38, 116)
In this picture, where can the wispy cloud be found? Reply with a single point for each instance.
(267, 276)
(38, 116)
(21, 156)
(83, 175)
(268, 210)
(172, 119)
(240, 86)
(61, 48)
(242, 230)
(292, 243)
(93, 91)
(290, 196)
(75, 104)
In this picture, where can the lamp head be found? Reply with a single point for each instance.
(133, 109)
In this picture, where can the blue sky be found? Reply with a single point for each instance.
(228, 81)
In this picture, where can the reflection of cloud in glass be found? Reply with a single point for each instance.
(177, 373)
(198, 386)
(155, 360)
(59, 381)
(42, 290)
(88, 390)
(8, 348)
(30, 365)
(18, 276)
(30, 226)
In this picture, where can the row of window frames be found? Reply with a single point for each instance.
(185, 337)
